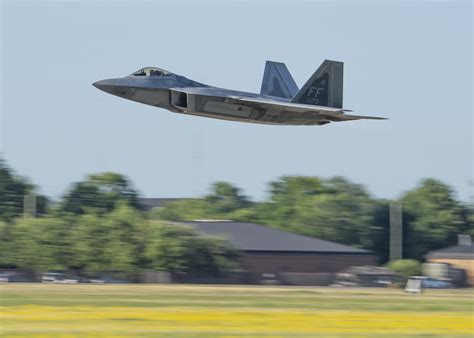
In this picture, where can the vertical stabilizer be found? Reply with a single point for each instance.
(324, 88)
(277, 81)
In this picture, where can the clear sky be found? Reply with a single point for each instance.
(409, 61)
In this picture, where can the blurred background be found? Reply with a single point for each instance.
(309, 228)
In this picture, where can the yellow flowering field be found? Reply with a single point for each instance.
(226, 311)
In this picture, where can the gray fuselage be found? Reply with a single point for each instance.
(179, 94)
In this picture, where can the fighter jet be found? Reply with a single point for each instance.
(280, 102)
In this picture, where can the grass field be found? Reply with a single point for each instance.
(37, 310)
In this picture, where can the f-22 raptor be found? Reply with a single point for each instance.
(280, 102)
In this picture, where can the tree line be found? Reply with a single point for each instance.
(99, 224)
(336, 209)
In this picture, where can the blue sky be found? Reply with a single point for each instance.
(409, 61)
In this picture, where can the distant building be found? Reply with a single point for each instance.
(460, 256)
(267, 250)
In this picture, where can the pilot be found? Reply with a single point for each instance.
(156, 72)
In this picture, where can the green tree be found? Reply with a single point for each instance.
(224, 201)
(40, 244)
(225, 198)
(99, 193)
(7, 245)
(432, 218)
(111, 242)
(405, 267)
(182, 210)
(180, 249)
(291, 202)
(243, 215)
(333, 209)
(12, 192)
(343, 213)
(469, 215)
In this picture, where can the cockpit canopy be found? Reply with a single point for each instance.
(151, 71)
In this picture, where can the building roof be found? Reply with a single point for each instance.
(454, 252)
(253, 237)
(151, 203)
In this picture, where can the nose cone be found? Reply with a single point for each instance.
(107, 86)
(119, 87)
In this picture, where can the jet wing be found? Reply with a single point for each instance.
(304, 110)
(247, 106)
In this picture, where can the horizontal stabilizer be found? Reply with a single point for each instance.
(347, 117)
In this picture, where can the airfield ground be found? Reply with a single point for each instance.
(39, 310)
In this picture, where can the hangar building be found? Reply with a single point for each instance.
(459, 256)
(267, 250)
